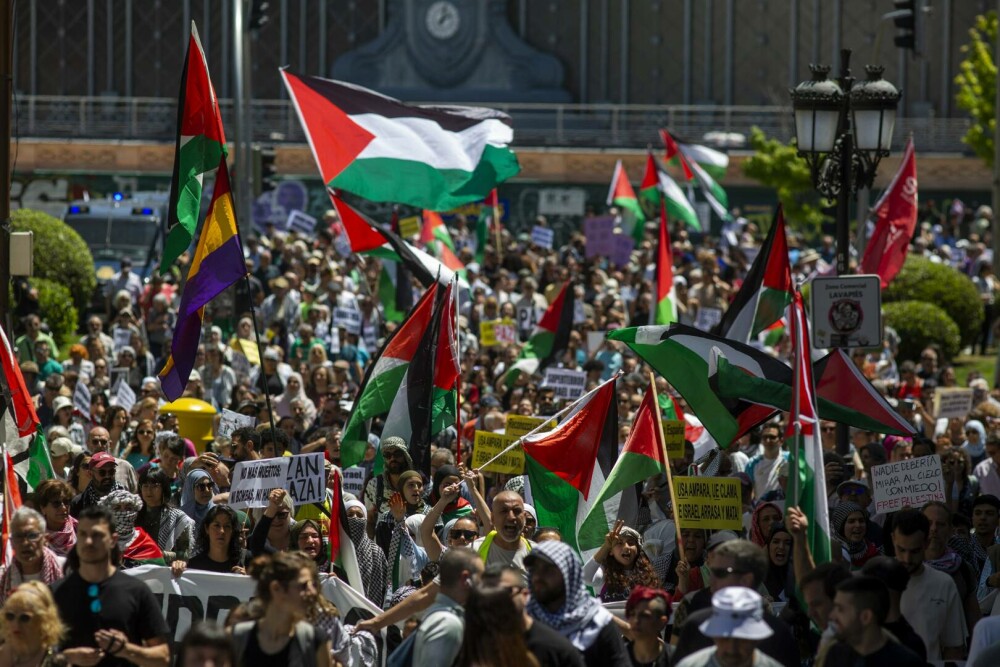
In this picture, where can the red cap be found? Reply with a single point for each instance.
(101, 459)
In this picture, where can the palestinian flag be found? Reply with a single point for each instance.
(342, 553)
(142, 551)
(809, 490)
(665, 310)
(623, 196)
(435, 158)
(436, 238)
(395, 295)
(402, 385)
(771, 335)
(657, 184)
(766, 290)
(567, 466)
(644, 455)
(488, 212)
(714, 194)
(682, 354)
(200, 146)
(31, 459)
(714, 163)
(840, 382)
(550, 337)
(21, 409)
(674, 156)
(11, 503)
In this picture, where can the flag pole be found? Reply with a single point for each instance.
(557, 415)
(667, 471)
(458, 378)
(796, 405)
(496, 224)
(256, 333)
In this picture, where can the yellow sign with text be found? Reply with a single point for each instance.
(409, 226)
(713, 503)
(497, 332)
(519, 425)
(673, 438)
(487, 445)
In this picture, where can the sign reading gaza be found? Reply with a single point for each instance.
(302, 476)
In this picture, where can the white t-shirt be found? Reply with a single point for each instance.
(932, 606)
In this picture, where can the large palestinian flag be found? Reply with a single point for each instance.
(657, 183)
(766, 290)
(437, 158)
(549, 338)
(568, 465)
(643, 456)
(200, 145)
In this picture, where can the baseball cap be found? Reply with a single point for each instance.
(738, 613)
(101, 459)
(61, 446)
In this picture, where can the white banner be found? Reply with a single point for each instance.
(197, 595)
(348, 318)
(569, 385)
(302, 476)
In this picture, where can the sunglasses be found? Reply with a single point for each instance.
(468, 535)
(59, 503)
(204, 487)
(100, 441)
(723, 572)
(24, 619)
(93, 591)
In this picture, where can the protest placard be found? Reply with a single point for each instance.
(520, 425)
(241, 365)
(302, 476)
(527, 316)
(353, 480)
(594, 341)
(300, 222)
(229, 421)
(952, 402)
(600, 234)
(713, 503)
(81, 399)
(487, 445)
(250, 351)
(542, 237)
(707, 318)
(348, 318)
(621, 252)
(497, 332)
(124, 395)
(673, 437)
(121, 337)
(569, 385)
(910, 483)
(409, 226)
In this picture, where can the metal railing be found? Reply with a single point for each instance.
(535, 125)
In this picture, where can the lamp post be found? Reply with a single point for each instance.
(843, 129)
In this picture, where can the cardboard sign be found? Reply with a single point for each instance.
(230, 421)
(520, 425)
(569, 385)
(241, 365)
(124, 395)
(952, 402)
(409, 226)
(910, 483)
(121, 337)
(300, 222)
(81, 399)
(673, 437)
(302, 476)
(542, 236)
(250, 351)
(348, 318)
(707, 318)
(713, 503)
(497, 332)
(527, 317)
(487, 445)
(600, 233)
(353, 480)
(621, 253)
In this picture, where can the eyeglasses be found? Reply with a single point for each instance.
(26, 537)
(22, 618)
(93, 591)
(723, 572)
(468, 535)
(101, 441)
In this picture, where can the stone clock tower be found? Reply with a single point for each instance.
(453, 50)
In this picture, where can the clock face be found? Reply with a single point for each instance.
(442, 19)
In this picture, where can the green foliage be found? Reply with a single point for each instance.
(777, 165)
(977, 85)
(922, 280)
(61, 255)
(57, 307)
(919, 324)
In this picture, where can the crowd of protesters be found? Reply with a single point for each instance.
(457, 559)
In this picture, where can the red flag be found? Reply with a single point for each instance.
(11, 502)
(363, 236)
(897, 219)
(24, 417)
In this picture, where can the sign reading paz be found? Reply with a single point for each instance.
(568, 385)
(714, 503)
(488, 444)
(497, 332)
(302, 476)
(910, 483)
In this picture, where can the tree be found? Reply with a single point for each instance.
(777, 165)
(61, 255)
(977, 81)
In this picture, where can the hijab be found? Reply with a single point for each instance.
(859, 552)
(189, 505)
(283, 404)
(976, 451)
(757, 535)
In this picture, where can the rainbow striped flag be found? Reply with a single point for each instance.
(217, 264)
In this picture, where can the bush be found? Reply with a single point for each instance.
(919, 324)
(923, 280)
(61, 255)
(56, 306)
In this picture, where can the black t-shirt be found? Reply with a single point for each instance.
(662, 660)
(203, 562)
(289, 656)
(551, 648)
(781, 645)
(892, 654)
(907, 636)
(607, 650)
(126, 604)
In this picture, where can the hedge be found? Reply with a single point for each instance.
(919, 324)
(939, 284)
(61, 255)
(56, 307)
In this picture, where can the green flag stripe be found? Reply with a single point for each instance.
(630, 469)
(549, 491)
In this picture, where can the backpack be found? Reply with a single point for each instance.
(305, 634)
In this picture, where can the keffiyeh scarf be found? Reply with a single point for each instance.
(62, 541)
(124, 507)
(12, 577)
(371, 561)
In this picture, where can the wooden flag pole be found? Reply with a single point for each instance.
(670, 477)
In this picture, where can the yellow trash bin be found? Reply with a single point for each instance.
(194, 420)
